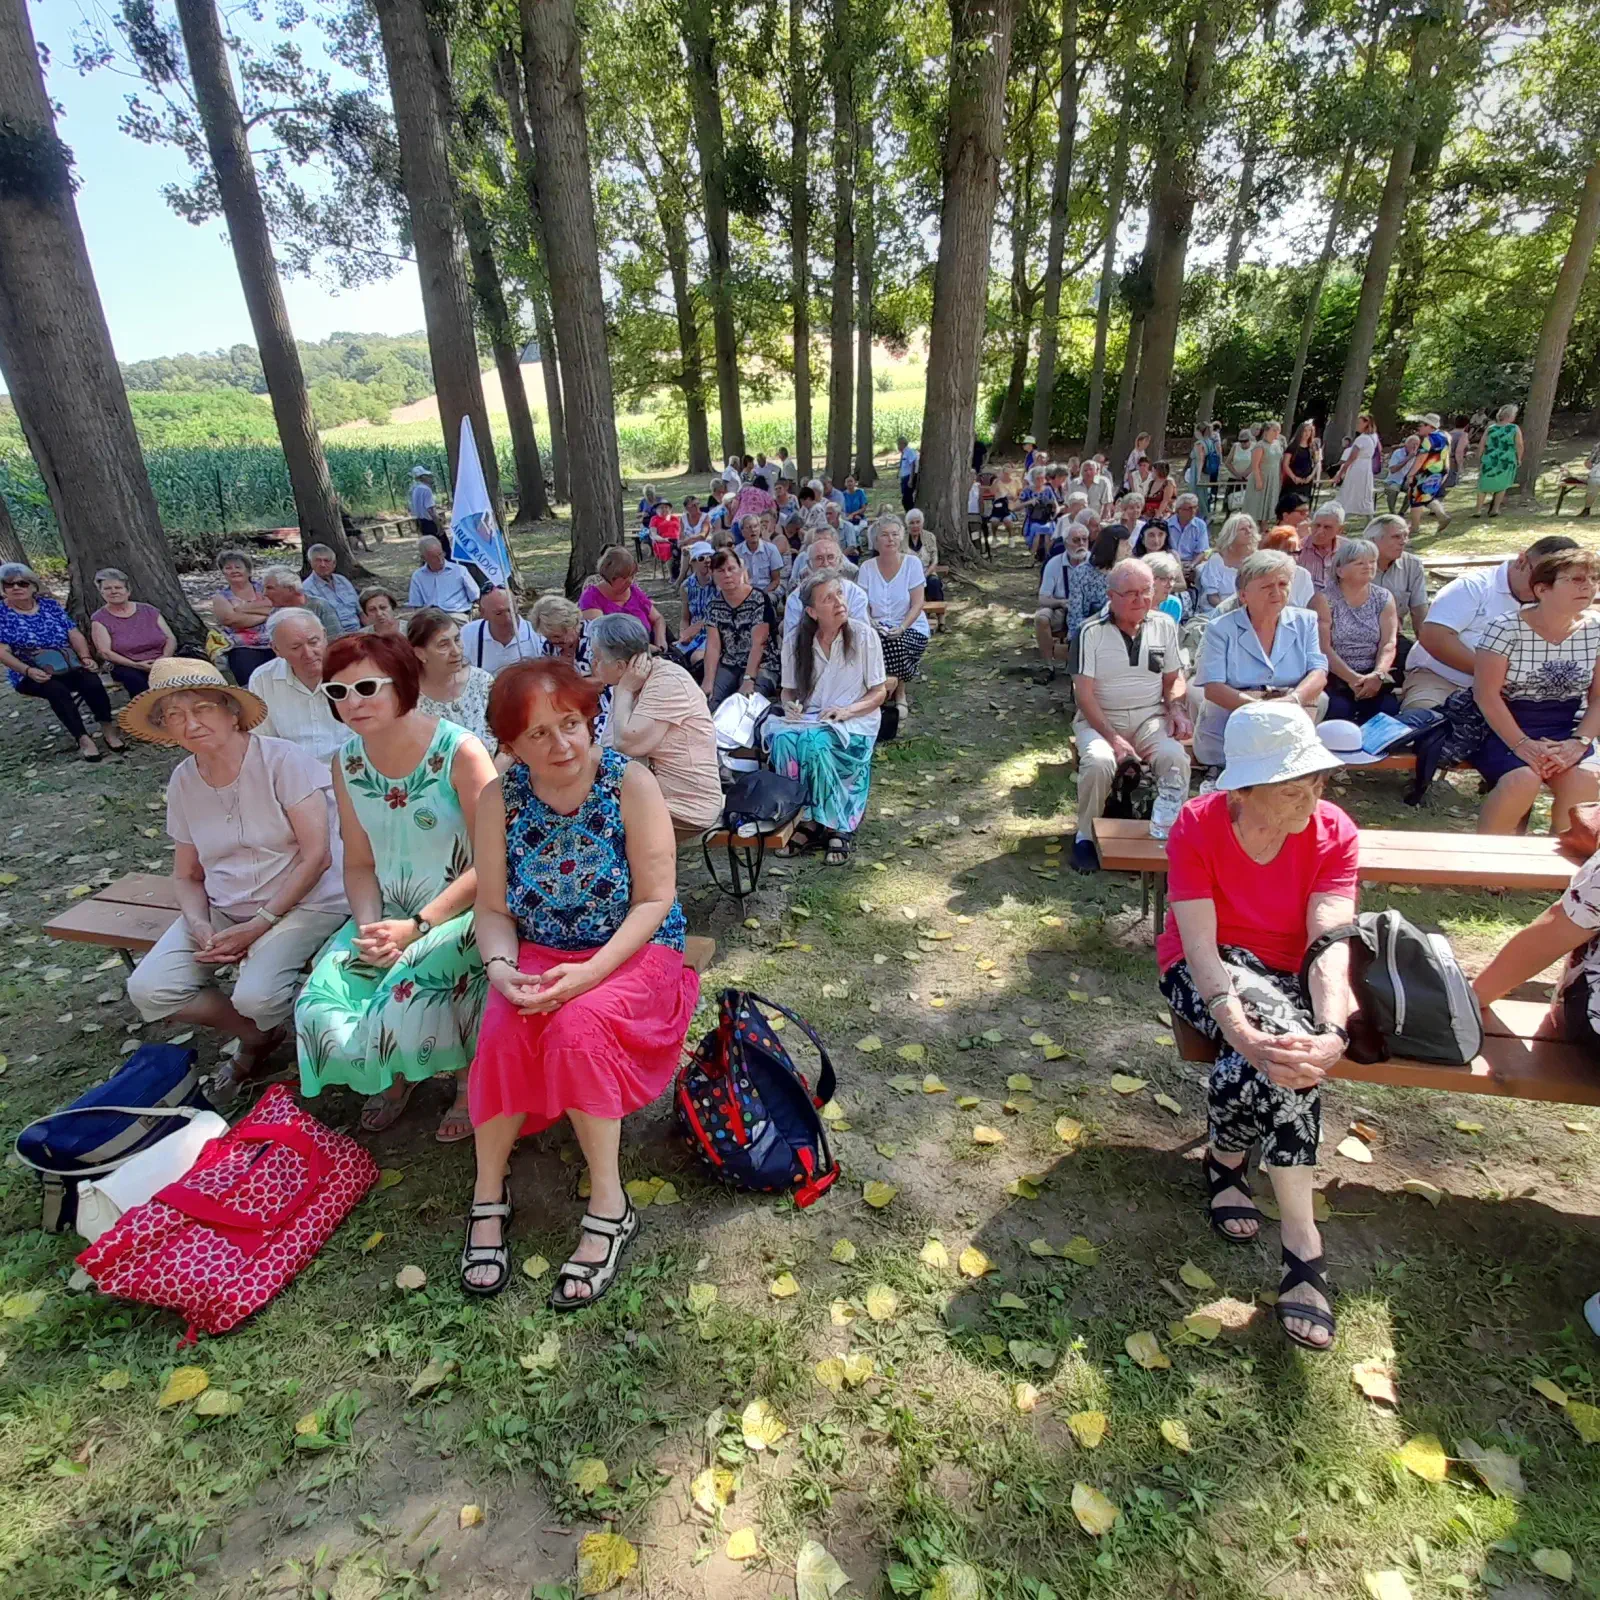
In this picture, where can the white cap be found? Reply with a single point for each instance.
(1271, 741)
(701, 547)
(421, 472)
(1028, 438)
(1344, 740)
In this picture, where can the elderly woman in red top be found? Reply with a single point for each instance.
(1256, 870)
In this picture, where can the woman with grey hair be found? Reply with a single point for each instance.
(659, 716)
(1264, 650)
(834, 686)
(896, 586)
(241, 609)
(1218, 577)
(48, 659)
(1500, 461)
(128, 634)
(1357, 627)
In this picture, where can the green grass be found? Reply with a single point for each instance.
(1291, 1486)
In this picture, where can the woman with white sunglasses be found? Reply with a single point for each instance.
(397, 995)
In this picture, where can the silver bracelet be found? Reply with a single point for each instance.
(271, 918)
(1218, 1000)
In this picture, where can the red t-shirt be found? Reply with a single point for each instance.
(1260, 905)
(667, 527)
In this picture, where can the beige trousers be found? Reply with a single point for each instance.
(1097, 765)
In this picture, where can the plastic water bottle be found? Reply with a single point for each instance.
(1168, 803)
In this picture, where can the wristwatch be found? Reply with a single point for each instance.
(1334, 1027)
(423, 926)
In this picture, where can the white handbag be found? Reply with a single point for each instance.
(101, 1201)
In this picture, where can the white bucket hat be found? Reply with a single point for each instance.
(1344, 740)
(1271, 741)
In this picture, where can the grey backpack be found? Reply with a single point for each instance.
(1413, 1000)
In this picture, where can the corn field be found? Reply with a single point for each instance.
(231, 489)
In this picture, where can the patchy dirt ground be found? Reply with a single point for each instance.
(954, 959)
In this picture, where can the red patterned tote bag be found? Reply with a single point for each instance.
(257, 1205)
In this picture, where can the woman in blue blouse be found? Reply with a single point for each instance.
(1264, 650)
(48, 658)
(581, 934)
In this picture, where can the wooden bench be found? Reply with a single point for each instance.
(1436, 860)
(934, 609)
(1524, 1058)
(1569, 482)
(132, 913)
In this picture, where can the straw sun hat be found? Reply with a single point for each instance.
(173, 673)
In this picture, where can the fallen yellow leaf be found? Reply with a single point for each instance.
(1068, 1130)
(1555, 1564)
(829, 1372)
(761, 1425)
(1389, 1585)
(817, 1576)
(783, 1287)
(973, 1262)
(184, 1384)
(1196, 1277)
(1176, 1434)
(1124, 1084)
(986, 1135)
(410, 1278)
(1024, 1397)
(877, 1194)
(934, 1254)
(604, 1560)
(219, 1403)
(868, 1044)
(711, 1489)
(1586, 1419)
(1550, 1390)
(1089, 1428)
(881, 1302)
(1146, 1351)
(932, 1084)
(372, 1242)
(843, 1252)
(470, 1517)
(1424, 1456)
(742, 1544)
(535, 1267)
(841, 1313)
(911, 1052)
(587, 1474)
(1094, 1512)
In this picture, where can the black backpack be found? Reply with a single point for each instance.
(1413, 999)
(764, 799)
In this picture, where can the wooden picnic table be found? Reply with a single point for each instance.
(1388, 855)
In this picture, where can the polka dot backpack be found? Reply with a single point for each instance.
(258, 1204)
(747, 1111)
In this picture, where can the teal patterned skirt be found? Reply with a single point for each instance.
(365, 1026)
(836, 775)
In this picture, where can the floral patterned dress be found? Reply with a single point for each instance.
(365, 1026)
(469, 709)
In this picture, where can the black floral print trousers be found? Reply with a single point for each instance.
(1244, 1106)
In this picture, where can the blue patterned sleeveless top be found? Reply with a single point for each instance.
(567, 878)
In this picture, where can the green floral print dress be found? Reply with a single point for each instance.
(364, 1026)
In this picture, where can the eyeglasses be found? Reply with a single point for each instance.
(16, 583)
(364, 688)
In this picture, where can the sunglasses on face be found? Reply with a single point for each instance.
(364, 688)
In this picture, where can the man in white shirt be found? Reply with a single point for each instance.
(421, 502)
(332, 588)
(1130, 692)
(762, 561)
(1442, 659)
(787, 470)
(732, 477)
(282, 586)
(499, 638)
(291, 686)
(442, 583)
(1096, 485)
(824, 555)
(908, 473)
(1050, 620)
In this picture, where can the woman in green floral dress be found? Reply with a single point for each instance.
(1500, 462)
(397, 995)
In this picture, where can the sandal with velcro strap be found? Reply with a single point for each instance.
(497, 1256)
(619, 1233)
(1311, 1275)
(1219, 1179)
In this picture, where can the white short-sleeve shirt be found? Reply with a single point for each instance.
(1466, 606)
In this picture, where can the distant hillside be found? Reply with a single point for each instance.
(351, 376)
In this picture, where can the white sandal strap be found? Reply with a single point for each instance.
(487, 1210)
(605, 1227)
(583, 1271)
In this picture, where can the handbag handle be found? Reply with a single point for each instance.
(208, 1208)
(188, 1113)
(826, 1082)
(1321, 945)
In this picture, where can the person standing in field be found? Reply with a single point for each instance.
(422, 508)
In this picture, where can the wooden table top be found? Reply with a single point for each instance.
(1388, 855)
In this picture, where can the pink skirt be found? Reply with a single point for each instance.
(609, 1052)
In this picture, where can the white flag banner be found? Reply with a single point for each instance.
(474, 534)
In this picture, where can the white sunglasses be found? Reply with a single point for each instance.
(364, 687)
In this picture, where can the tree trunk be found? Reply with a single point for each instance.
(706, 102)
(1409, 286)
(841, 311)
(509, 76)
(552, 48)
(800, 233)
(10, 545)
(674, 229)
(56, 356)
(980, 53)
(316, 505)
(1557, 325)
(416, 64)
(505, 339)
(1060, 216)
(1206, 403)
(866, 244)
(1308, 323)
(1122, 426)
(1172, 215)
(1115, 190)
(1008, 421)
(1381, 248)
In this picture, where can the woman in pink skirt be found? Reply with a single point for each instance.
(581, 934)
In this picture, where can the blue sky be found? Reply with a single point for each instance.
(168, 286)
